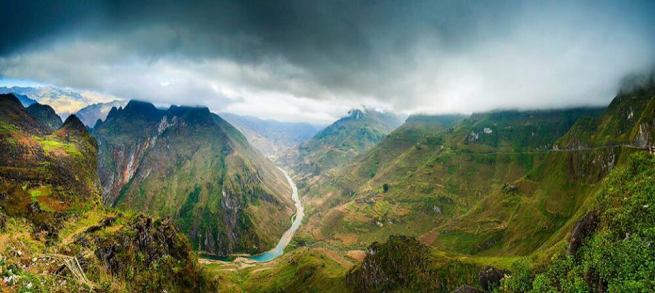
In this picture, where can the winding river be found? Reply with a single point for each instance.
(296, 220)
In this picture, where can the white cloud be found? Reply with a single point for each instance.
(545, 56)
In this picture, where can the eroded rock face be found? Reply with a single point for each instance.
(149, 252)
(490, 278)
(643, 137)
(584, 228)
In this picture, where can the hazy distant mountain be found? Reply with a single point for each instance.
(98, 111)
(64, 101)
(188, 163)
(340, 142)
(272, 137)
(25, 100)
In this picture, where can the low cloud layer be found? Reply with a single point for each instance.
(311, 61)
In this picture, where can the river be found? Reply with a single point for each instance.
(296, 220)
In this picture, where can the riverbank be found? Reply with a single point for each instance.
(278, 250)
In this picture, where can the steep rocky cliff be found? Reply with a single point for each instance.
(190, 164)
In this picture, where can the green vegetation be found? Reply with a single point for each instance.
(340, 142)
(402, 264)
(40, 191)
(189, 164)
(618, 255)
(301, 270)
(436, 169)
(507, 201)
(55, 236)
(53, 146)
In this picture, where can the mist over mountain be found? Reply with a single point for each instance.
(297, 61)
(340, 142)
(272, 137)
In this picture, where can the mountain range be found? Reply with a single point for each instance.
(340, 142)
(500, 201)
(65, 101)
(272, 137)
(53, 227)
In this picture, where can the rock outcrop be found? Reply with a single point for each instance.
(401, 262)
(150, 254)
(583, 229)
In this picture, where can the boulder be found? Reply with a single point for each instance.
(490, 278)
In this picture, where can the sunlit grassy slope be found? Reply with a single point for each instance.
(431, 170)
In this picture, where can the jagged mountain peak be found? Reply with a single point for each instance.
(45, 114)
(341, 141)
(12, 110)
(189, 109)
(73, 123)
(140, 109)
(148, 111)
(10, 99)
(355, 113)
(190, 113)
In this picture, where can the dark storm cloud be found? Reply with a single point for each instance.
(407, 55)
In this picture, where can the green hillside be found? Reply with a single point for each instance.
(542, 206)
(430, 170)
(55, 236)
(610, 248)
(44, 173)
(190, 164)
(339, 143)
(513, 201)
